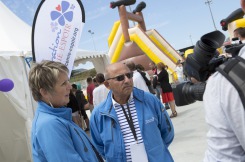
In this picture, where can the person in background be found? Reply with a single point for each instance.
(240, 34)
(82, 104)
(179, 72)
(146, 77)
(138, 80)
(156, 85)
(96, 84)
(170, 77)
(54, 136)
(90, 89)
(167, 92)
(100, 93)
(141, 68)
(73, 104)
(130, 121)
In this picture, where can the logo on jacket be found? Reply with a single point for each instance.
(149, 120)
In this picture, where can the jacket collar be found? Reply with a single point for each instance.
(108, 107)
(62, 112)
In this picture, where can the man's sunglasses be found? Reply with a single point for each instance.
(122, 77)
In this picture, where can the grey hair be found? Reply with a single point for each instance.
(44, 75)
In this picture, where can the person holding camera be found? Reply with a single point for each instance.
(225, 116)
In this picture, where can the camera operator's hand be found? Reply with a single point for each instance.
(193, 80)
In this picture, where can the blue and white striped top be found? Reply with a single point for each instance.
(125, 128)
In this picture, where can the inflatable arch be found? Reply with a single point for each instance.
(137, 44)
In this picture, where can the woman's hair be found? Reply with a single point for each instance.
(44, 75)
(160, 66)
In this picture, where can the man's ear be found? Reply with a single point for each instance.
(107, 85)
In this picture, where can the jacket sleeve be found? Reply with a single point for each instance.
(165, 124)
(94, 132)
(55, 141)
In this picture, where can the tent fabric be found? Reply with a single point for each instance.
(14, 33)
(16, 110)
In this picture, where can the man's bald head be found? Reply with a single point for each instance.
(112, 69)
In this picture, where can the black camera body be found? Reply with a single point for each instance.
(205, 60)
(200, 65)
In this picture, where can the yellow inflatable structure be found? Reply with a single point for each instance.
(137, 44)
(234, 25)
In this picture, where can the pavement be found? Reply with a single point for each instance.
(189, 143)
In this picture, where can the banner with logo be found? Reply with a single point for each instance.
(56, 31)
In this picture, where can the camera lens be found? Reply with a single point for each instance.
(187, 93)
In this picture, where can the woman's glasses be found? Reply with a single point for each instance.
(122, 77)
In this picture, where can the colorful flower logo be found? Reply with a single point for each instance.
(62, 14)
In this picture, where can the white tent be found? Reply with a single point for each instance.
(16, 110)
(17, 106)
(14, 34)
(99, 59)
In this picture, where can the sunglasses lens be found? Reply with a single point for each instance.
(120, 77)
(129, 75)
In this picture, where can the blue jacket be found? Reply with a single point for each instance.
(155, 125)
(55, 138)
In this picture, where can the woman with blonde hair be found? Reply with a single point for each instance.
(55, 137)
(167, 92)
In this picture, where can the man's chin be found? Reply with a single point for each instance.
(128, 91)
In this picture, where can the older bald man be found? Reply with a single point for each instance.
(130, 125)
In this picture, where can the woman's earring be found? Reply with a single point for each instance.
(51, 104)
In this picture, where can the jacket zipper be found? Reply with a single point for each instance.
(112, 126)
(85, 147)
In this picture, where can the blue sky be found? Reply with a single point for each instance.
(181, 23)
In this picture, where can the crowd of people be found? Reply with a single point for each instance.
(129, 120)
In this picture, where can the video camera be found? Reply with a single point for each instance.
(200, 65)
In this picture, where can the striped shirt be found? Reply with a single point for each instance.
(128, 136)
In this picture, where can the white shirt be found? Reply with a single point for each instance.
(99, 94)
(139, 82)
(179, 72)
(225, 116)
